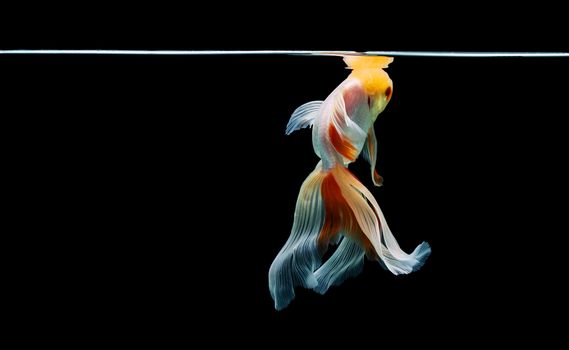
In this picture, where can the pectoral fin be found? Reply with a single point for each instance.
(303, 116)
(370, 154)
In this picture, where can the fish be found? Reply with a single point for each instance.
(333, 206)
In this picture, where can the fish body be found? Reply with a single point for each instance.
(333, 206)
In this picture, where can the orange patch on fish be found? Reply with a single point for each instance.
(342, 145)
(339, 218)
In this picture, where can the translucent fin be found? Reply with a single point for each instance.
(299, 258)
(369, 153)
(412, 262)
(347, 261)
(303, 116)
(372, 222)
(404, 263)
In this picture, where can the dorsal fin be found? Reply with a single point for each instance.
(303, 116)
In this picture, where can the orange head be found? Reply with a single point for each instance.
(369, 70)
(375, 81)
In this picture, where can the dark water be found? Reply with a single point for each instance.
(169, 187)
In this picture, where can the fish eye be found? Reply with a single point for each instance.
(388, 92)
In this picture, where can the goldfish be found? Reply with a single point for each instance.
(333, 206)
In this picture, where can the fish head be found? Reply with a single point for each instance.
(375, 81)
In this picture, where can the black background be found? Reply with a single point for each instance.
(168, 185)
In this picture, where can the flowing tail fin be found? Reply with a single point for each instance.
(334, 205)
(299, 258)
(373, 225)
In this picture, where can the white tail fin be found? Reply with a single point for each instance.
(334, 205)
(373, 224)
(299, 258)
